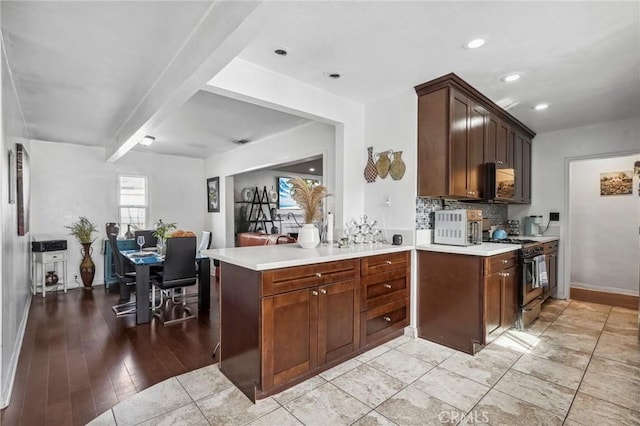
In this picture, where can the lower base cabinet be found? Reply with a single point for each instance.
(465, 301)
(306, 328)
(279, 327)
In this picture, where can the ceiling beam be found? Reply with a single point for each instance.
(222, 33)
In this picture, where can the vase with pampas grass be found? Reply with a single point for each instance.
(309, 198)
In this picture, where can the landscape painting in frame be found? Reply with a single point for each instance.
(616, 183)
(213, 195)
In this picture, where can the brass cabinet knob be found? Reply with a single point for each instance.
(388, 262)
(387, 319)
(323, 291)
(505, 261)
(318, 274)
(387, 285)
(315, 293)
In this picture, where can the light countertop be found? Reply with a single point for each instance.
(484, 249)
(261, 258)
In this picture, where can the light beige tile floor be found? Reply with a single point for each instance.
(579, 364)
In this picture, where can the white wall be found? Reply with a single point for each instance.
(604, 229)
(551, 155)
(251, 83)
(69, 181)
(392, 124)
(15, 251)
(303, 142)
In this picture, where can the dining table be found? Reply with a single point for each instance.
(144, 260)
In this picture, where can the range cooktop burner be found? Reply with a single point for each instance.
(511, 241)
(528, 248)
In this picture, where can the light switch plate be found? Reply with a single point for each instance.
(554, 216)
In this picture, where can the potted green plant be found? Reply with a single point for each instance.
(309, 198)
(83, 230)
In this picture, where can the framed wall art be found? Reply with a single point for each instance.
(616, 183)
(22, 193)
(213, 195)
(11, 175)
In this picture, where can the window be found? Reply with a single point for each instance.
(132, 201)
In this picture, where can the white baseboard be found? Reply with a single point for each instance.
(15, 355)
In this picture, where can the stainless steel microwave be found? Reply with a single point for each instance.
(501, 182)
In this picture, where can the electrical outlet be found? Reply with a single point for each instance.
(554, 216)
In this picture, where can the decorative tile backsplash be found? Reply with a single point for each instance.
(496, 213)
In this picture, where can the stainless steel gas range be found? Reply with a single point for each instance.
(532, 279)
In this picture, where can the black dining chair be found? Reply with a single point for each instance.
(126, 280)
(179, 272)
(149, 239)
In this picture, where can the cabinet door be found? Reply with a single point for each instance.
(496, 148)
(492, 302)
(338, 320)
(526, 170)
(475, 151)
(460, 113)
(522, 166)
(491, 138)
(552, 271)
(509, 298)
(289, 336)
(518, 165)
(502, 144)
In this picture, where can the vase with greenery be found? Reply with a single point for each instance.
(309, 197)
(162, 231)
(83, 230)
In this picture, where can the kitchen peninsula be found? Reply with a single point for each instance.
(288, 313)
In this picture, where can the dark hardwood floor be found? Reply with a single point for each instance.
(78, 359)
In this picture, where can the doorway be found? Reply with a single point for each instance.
(603, 227)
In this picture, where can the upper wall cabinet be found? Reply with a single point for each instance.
(459, 130)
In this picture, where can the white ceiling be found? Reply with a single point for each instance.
(82, 68)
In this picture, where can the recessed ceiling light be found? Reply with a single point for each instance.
(475, 43)
(334, 75)
(511, 77)
(147, 140)
(280, 52)
(311, 169)
(540, 107)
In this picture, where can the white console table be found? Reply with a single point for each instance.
(39, 263)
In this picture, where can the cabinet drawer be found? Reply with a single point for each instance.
(550, 247)
(378, 322)
(383, 288)
(53, 256)
(384, 262)
(499, 262)
(299, 277)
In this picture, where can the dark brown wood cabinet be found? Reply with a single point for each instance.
(459, 130)
(281, 326)
(522, 166)
(307, 328)
(450, 145)
(465, 301)
(551, 260)
(384, 297)
(500, 294)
